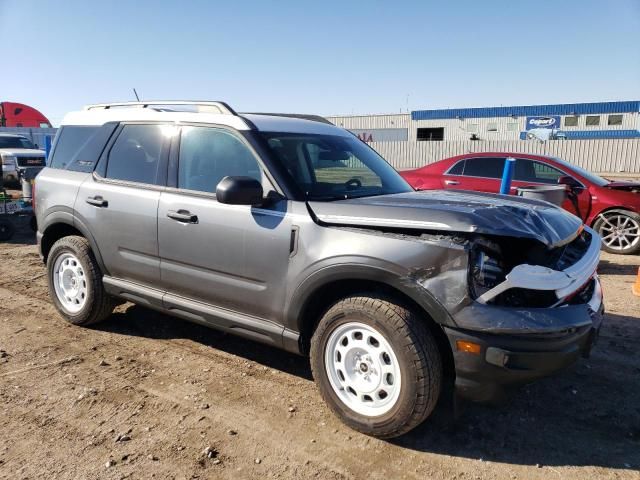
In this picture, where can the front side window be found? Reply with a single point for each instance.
(135, 155)
(207, 155)
(485, 167)
(15, 142)
(536, 172)
(331, 167)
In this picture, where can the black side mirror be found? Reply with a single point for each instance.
(239, 191)
(36, 146)
(569, 181)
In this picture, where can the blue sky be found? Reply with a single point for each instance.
(325, 57)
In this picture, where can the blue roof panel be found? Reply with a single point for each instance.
(529, 110)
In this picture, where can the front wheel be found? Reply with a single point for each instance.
(620, 231)
(377, 365)
(75, 282)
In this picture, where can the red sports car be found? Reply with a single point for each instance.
(612, 208)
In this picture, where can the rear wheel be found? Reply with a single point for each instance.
(75, 282)
(377, 365)
(620, 231)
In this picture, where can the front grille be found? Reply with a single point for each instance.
(30, 161)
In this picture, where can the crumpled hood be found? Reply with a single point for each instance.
(459, 211)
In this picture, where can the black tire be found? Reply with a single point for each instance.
(418, 358)
(98, 304)
(603, 230)
(6, 230)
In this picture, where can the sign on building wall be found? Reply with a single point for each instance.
(382, 134)
(551, 121)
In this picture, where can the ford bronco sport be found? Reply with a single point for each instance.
(291, 231)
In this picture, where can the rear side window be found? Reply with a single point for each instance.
(486, 167)
(135, 155)
(69, 143)
(457, 169)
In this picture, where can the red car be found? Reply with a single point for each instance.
(611, 208)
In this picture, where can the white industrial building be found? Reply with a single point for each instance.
(577, 121)
(602, 136)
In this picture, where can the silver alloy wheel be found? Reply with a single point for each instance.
(70, 282)
(619, 231)
(363, 369)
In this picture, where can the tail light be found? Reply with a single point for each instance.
(33, 195)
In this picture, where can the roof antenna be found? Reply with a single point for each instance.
(136, 94)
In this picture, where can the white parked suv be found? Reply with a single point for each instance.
(18, 153)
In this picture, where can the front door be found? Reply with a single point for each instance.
(233, 257)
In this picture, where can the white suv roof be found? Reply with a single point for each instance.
(218, 113)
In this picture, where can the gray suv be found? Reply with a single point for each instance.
(288, 230)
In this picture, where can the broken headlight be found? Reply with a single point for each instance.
(485, 272)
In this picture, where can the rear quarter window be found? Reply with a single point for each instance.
(69, 142)
(78, 147)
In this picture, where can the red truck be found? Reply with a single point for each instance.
(19, 115)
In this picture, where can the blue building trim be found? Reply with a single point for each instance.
(529, 110)
(593, 134)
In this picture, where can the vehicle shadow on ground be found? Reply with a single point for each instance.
(142, 322)
(23, 236)
(606, 267)
(588, 415)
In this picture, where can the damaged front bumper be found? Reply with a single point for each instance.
(536, 277)
(519, 345)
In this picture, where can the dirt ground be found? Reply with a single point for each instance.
(143, 395)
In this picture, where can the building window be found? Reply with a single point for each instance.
(571, 121)
(492, 127)
(430, 134)
(614, 120)
(472, 127)
(512, 127)
(593, 120)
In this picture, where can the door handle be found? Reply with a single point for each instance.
(182, 216)
(451, 182)
(97, 201)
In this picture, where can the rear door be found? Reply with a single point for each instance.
(538, 172)
(233, 257)
(481, 174)
(119, 202)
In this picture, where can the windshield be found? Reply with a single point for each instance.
(592, 177)
(15, 142)
(332, 167)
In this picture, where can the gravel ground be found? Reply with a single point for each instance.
(144, 395)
